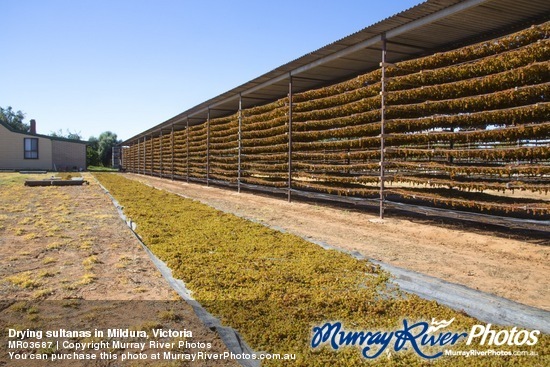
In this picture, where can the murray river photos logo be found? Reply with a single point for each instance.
(419, 337)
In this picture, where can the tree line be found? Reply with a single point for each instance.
(99, 149)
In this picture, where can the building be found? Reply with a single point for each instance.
(32, 151)
(437, 109)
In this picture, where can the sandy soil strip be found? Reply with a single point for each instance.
(70, 262)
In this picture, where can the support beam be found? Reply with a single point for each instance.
(239, 137)
(384, 65)
(138, 157)
(144, 154)
(172, 149)
(187, 145)
(289, 136)
(221, 109)
(152, 154)
(309, 79)
(258, 98)
(402, 29)
(160, 139)
(208, 148)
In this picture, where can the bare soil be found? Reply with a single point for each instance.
(68, 261)
(516, 268)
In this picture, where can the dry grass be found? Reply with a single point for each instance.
(24, 280)
(54, 246)
(48, 220)
(49, 260)
(90, 261)
(169, 315)
(62, 243)
(87, 278)
(47, 273)
(42, 293)
(123, 262)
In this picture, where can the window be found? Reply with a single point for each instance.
(31, 148)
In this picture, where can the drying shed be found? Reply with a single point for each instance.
(438, 109)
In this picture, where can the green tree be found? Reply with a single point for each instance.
(74, 135)
(92, 156)
(14, 119)
(106, 141)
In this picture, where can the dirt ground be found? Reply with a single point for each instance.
(68, 261)
(516, 268)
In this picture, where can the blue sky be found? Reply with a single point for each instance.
(126, 65)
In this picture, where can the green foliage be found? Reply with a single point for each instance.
(93, 142)
(13, 119)
(68, 135)
(100, 149)
(92, 157)
(95, 168)
(106, 141)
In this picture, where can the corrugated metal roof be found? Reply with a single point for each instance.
(429, 27)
